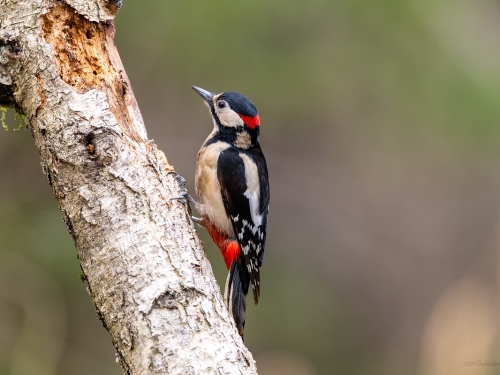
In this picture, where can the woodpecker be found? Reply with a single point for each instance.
(232, 186)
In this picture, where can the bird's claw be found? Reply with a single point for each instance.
(181, 181)
(184, 196)
(198, 221)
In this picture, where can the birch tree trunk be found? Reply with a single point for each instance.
(149, 279)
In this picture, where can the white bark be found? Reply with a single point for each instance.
(149, 279)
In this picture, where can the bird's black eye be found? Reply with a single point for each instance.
(221, 104)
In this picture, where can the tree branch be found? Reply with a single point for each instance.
(149, 279)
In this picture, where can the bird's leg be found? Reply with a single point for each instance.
(185, 197)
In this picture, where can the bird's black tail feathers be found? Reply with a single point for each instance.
(235, 292)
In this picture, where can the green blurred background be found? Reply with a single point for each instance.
(380, 124)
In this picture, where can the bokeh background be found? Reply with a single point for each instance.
(380, 124)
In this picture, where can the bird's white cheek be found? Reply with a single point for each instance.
(229, 118)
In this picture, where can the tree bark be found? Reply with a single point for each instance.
(148, 276)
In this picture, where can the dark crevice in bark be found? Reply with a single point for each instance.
(10, 46)
(69, 225)
(90, 144)
(6, 96)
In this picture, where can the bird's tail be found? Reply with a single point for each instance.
(235, 292)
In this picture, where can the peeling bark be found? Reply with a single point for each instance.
(151, 284)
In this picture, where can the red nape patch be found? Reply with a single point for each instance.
(251, 122)
(231, 252)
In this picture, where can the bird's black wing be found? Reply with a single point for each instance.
(243, 178)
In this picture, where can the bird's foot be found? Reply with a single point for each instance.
(184, 196)
(181, 181)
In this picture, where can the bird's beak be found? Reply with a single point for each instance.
(207, 95)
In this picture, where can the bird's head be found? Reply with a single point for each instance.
(231, 112)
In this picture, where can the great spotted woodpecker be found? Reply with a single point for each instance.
(232, 186)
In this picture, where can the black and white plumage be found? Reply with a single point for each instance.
(232, 186)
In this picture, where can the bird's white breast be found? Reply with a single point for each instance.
(208, 188)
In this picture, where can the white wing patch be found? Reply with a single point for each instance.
(253, 190)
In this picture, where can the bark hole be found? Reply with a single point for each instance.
(78, 53)
(82, 50)
(90, 143)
